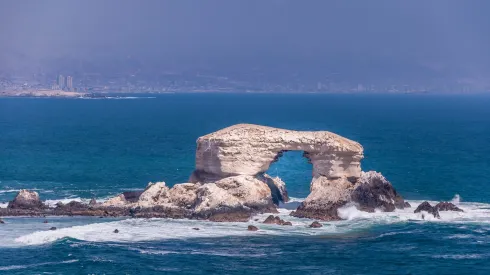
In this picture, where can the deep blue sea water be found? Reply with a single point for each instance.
(430, 148)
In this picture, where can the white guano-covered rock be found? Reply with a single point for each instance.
(117, 201)
(234, 193)
(26, 199)
(154, 194)
(246, 149)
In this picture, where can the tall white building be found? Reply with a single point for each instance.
(69, 83)
(61, 82)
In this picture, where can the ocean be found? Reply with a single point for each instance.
(431, 147)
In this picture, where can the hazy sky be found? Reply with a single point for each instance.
(441, 35)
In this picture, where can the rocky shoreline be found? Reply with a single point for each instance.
(230, 183)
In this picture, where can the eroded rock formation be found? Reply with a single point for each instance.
(246, 149)
(229, 181)
(370, 192)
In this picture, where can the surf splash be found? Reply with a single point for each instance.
(137, 230)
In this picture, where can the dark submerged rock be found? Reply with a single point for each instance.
(326, 212)
(425, 206)
(447, 206)
(252, 228)
(116, 231)
(196, 228)
(1, 221)
(407, 205)
(276, 220)
(53, 228)
(271, 220)
(45, 221)
(315, 224)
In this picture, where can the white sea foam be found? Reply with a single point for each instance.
(16, 190)
(350, 212)
(129, 97)
(52, 203)
(461, 256)
(456, 199)
(134, 230)
(14, 267)
(4, 204)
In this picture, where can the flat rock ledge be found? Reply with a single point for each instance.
(230, 183)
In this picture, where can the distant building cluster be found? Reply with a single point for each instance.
(64, 83)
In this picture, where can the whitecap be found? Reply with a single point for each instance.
(53, 202)
(14, 267)
(460, 256)
(456, 199)
(135, 230)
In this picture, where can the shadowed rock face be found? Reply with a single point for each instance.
(447, 206)
(278, 188)
(425, 206)
(246, 149)
(371, 191)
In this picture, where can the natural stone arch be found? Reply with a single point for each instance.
(246, 149)
(229, 183)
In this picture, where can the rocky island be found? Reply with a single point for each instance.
(230, 183)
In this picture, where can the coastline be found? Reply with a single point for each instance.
(42, 94)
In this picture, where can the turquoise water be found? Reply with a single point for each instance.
(429, 147)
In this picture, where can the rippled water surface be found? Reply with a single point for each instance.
(429, 147)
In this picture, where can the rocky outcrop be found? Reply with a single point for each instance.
(276, 220)
(117, 201)
(184, 195)
(426, 207)
(26, 199)
(235, 198)
(325, 198)
(315, 224)
(371, 191)
(247, 149)
(154, 194)
(447, 206)
(229, 181)
(252, 228)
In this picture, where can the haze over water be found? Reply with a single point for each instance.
(429, 147)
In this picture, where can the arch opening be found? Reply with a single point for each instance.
(295, 170)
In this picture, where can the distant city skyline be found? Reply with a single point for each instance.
(273, 46)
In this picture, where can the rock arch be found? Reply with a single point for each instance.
(247, 149)
(229, 183)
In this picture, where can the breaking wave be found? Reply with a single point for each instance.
(135, 230)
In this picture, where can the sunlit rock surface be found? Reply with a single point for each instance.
(246, 149)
